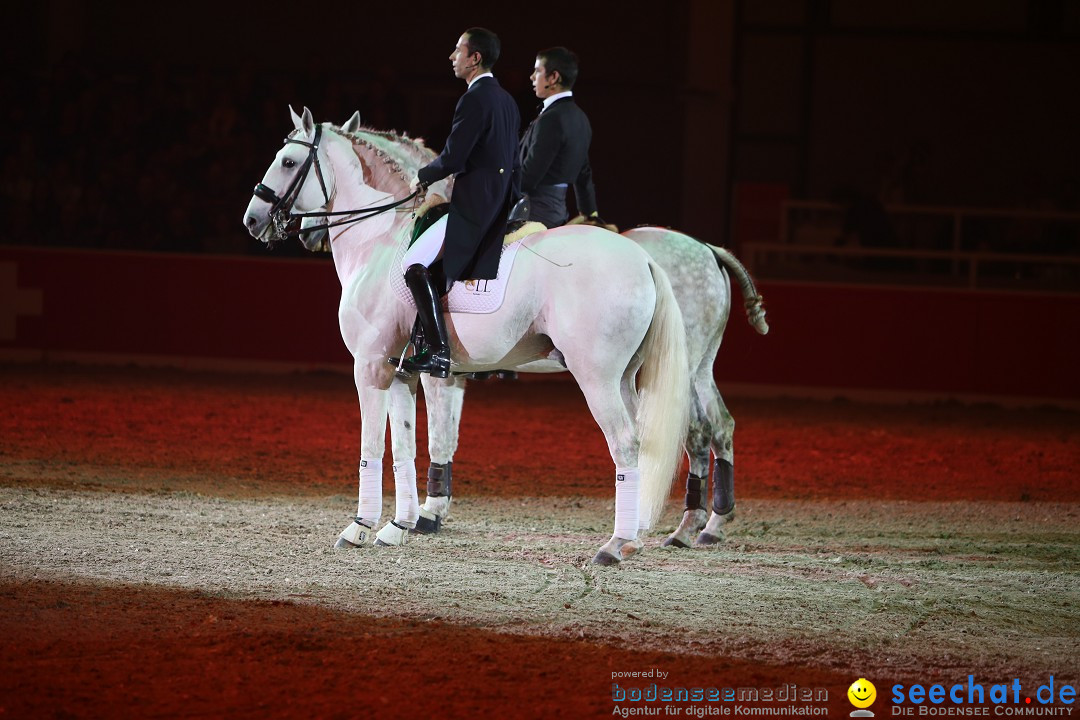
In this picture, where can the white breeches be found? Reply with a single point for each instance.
(428, 247)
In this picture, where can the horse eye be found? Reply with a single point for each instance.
(288, 162)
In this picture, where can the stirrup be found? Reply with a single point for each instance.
(434, 362)
(399, 365)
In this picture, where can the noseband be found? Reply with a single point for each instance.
(281, 213)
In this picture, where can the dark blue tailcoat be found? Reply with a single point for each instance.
(482, 154)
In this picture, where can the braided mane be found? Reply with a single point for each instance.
(390, 160)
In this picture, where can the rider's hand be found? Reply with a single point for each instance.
(416, 186)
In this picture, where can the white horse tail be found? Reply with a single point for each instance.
(755, 310)
(663, 399)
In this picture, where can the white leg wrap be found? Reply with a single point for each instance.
(644, 518)
(369, 506)
(407, 508)
(627, 502)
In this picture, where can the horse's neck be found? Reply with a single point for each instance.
(365, 246)
(391, 160)
(364, 253)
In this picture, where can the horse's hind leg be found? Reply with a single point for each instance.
(605, 399)
(694, 516)
(723, 491)
(444, 399)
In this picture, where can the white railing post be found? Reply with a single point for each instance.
(762, 254)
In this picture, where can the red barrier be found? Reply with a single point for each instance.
(909, 340)
(154, 304)
(70, 303)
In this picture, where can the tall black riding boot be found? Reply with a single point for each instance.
(434, 356)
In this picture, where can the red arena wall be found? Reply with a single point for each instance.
(211, 310)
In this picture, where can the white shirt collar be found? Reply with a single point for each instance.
(557, 96)
(481, 75)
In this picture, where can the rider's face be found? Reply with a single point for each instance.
(543, 84)
(464, 60)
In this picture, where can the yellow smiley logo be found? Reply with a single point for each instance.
(862, 693)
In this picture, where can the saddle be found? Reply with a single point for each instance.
(464, 296)
(595, 221)
(434, 207)
(518, 226)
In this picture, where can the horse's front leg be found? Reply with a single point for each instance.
(444, 399)
(374, 401)
(403, 439)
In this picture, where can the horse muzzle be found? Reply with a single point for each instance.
(259, 217)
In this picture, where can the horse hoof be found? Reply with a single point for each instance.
(693, 521)
(707, 540)
(605, 558)
(427, 525)
(392, 534)
(354, 536)
(616, 550)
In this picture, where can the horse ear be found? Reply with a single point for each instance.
(296, 121)
(308, 121)
(353, 123)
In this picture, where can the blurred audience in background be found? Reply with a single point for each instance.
(156, 159)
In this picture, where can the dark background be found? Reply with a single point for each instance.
(144, 126)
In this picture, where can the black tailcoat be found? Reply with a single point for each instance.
(482, 154)
(555, 150)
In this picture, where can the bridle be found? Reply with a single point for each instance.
(281, 214)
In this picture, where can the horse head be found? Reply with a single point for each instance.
(313, 231)
(299, 180)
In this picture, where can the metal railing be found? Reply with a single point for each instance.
(960, 247)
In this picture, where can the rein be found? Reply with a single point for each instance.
(364, 213)
(281, 206)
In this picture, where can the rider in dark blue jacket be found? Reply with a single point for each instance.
(482, 154)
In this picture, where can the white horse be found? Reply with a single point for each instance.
(699, 275)
(581, 298)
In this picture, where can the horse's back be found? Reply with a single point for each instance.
(584, 241)
(701, 286)
(586, 249)
(588, 283)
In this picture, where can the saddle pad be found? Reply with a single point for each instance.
(466, 296)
